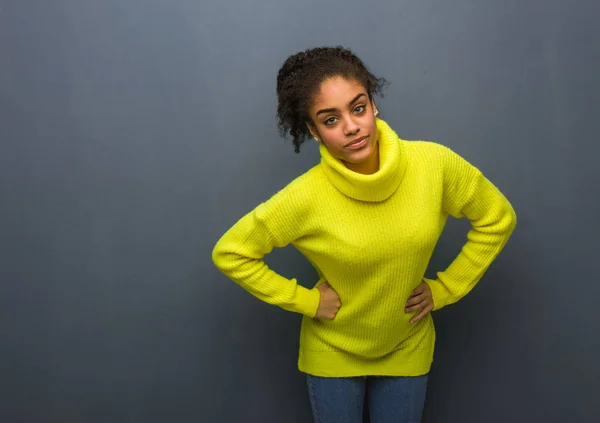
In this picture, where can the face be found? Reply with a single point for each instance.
(343, 119)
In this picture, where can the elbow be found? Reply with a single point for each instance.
(509, 220)
(225, 258)
(218, 253)
(513, 218)
(503, 222)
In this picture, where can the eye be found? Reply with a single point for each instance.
(359, 109)
(330, 121)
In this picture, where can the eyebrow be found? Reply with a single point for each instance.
(349, 104)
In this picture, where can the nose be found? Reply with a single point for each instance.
(351, 127)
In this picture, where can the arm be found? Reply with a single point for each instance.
(240, 251)
(468, 193)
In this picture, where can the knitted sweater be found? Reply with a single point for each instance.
(371, 237)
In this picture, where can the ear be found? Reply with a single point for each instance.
(374, 107)
(313, 130)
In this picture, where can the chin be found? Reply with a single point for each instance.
(360, 156)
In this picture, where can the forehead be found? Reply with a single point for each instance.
(337, 91)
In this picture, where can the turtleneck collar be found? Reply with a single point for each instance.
(381, 184)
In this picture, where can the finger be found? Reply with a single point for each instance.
(418, 290)
(419, 316)
(422, 314)
(415, 300)
(416, 307)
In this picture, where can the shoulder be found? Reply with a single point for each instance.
(303, 186)
(433, 154)
(428, 156)
(431, 150)
(286, 213)
(296, 195)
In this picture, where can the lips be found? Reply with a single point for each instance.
(357, 141)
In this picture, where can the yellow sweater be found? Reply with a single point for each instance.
(371, 237)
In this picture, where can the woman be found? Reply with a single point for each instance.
(367, 217)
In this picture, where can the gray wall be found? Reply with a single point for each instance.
(134, 133)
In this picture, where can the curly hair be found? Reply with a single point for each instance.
(300, 77)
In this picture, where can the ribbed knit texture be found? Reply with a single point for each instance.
(371, 237)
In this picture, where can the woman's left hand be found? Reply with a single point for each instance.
(420, 300)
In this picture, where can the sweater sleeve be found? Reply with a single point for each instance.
(240, 251)
(467, 192)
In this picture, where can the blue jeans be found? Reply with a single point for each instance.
(390, 399)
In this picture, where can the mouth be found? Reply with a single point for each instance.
(357, 143)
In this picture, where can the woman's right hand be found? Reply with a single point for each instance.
(329, 304)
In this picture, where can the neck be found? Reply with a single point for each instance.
(377, 178)
(368, 167)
